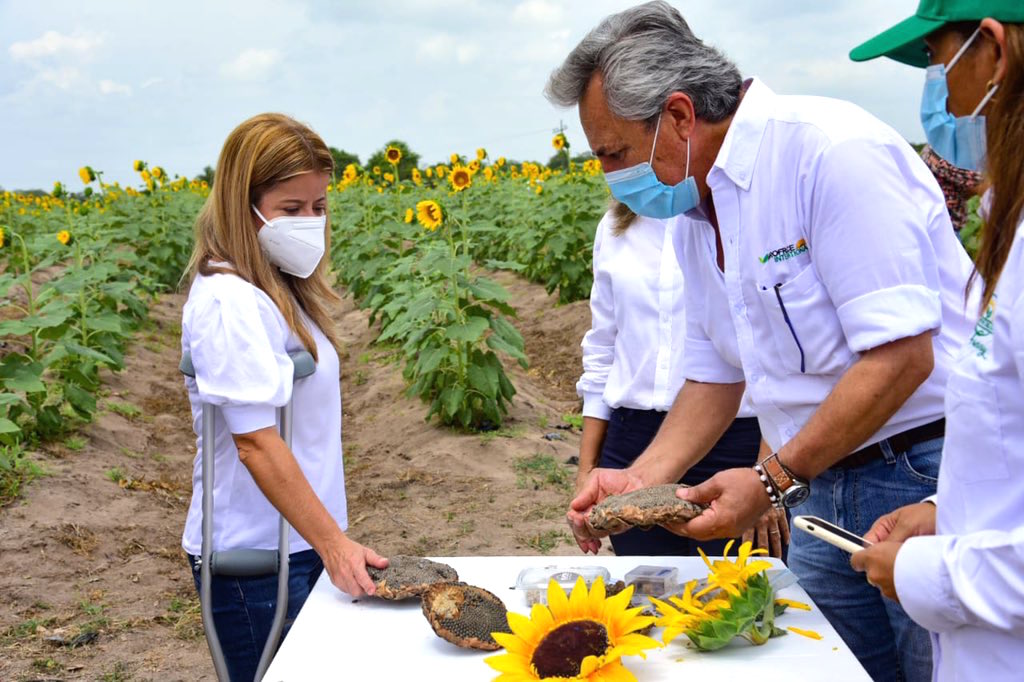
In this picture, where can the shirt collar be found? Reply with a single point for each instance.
(743, 139)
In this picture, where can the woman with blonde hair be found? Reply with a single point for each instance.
(259, 291)
(956, 562)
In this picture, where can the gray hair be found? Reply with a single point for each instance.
(645, 54)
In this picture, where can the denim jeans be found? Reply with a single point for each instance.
(880, 634)
(243, 610)
(630, 432)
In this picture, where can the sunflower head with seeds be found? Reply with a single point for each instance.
(580, 637)
(393, 154)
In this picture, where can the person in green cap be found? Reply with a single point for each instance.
(956, 561)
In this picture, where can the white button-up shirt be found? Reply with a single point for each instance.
(632, 355)
(966, 583)
(836, 241)
(633, 352)
(239, 342)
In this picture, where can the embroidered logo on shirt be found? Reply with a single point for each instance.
(785, 253)
(983, 329)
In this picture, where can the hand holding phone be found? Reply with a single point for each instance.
(831, 533)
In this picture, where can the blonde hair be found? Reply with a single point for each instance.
(258, 154)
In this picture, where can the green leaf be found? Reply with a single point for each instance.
(7, 426)
(470, 331)
(488, 290)
(484, 379)
(15, 328)
(90, 353)
(452, 399)
(23, 376)
(104, 323)
(499, 344)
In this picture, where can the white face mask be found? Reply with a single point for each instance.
(295, 244)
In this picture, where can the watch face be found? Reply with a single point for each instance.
(796, 495)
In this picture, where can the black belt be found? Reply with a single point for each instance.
(901, 442)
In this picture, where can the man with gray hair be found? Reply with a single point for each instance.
(821, 274)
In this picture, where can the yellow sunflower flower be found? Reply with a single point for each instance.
(460, 178)
(409, 215)
(389, 177)
(2, 237)
(376, 170)
(500, 163)
(146, 177)
(481, 154)
(732, 576)
(488, 173)
(454, 158)
(473, 166)
(350, 173)
(87, 174)
(58, 191)
(393, 155)
(580, 637)
(64, 237)
(559, 142)
(441, 170)
(429, 172)
(417, 178)
(139, 166)
(685, 612)
(429, 214)
(158, 172)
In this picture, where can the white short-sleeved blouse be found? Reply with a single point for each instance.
(239, 343)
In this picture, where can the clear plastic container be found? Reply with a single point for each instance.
(653, 581)
(534, 581)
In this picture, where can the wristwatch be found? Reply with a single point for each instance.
(784, 488)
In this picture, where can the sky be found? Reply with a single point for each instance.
(106, 82)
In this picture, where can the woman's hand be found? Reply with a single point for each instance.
(599, 484)
(903, 523)
(346, 564)
(771, 532)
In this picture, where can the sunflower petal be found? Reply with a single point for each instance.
(524, 628)
(558, 603)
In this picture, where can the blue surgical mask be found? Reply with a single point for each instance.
(961, 141)
(639, 188)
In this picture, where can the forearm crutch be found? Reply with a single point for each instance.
(240, 563)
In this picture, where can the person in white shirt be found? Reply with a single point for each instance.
(259, 291)
(956, 562)
(632, 371)
(822, 276)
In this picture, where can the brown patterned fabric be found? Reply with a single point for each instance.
(958, 185)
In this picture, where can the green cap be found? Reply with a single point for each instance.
(904, 42)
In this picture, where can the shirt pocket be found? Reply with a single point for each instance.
(804, 326)
(973, 449)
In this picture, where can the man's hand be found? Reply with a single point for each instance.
(599, 484)
(903, 523)
(879, 562)
(736, 498)
(771, 532)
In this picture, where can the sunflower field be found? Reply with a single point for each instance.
(78, 272)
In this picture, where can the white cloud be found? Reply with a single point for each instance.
(251, 64)
(443, 47)
(53, 43)
(108, 87)
(63, 78)
(538, 12)
(150, 82)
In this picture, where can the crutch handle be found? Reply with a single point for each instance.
(301, 359)
(245, 563)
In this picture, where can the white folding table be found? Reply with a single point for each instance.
(336, 637)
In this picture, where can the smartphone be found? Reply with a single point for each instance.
(831, 533)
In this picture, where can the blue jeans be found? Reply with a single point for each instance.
(630, 432)
(243, 610)
(881, 635)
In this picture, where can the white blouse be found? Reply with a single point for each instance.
(632, 355)
(239, 343)
(966, 582)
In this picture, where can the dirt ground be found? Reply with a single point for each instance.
(95, 584)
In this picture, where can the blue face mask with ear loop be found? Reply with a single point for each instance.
(961, 141)
(639, 188)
